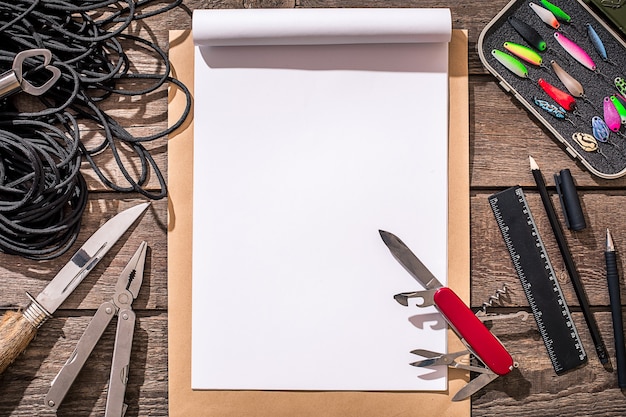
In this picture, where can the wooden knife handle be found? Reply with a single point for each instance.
(17, 329)
(16, 332)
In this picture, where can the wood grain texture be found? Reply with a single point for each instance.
(24, 385)
(502, 135)
(22, 275)
(16, 332)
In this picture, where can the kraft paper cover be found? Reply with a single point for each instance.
(185, 402)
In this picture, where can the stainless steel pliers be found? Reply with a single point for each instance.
(126, 290)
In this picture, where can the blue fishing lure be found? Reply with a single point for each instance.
(600, 130)
(597, 43)
(555, 111)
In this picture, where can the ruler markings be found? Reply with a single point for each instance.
(538, 279)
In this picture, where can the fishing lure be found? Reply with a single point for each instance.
(620, 84)
(621, 99)
(575, 51)
(611, 116)
(545, 15)
(600, 130)
(511, 63)
(589, 144)
(557, 11)
(571, 84)
(523, 52)
(557, 112)
(529, 34)
(586, 141)
(620, 105)
(561, 97)
(597, 43)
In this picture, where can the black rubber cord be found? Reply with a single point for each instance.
(42, 191)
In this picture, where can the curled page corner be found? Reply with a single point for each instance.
(255, 27)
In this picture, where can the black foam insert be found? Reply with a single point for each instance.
(610, 159)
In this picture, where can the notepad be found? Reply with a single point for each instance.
(315, 128)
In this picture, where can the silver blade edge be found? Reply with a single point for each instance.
(86, 258)
(409, 261)
(474, 385)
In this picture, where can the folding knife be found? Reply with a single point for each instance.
(473, 333)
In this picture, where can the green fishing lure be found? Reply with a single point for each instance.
(511, 63)
(524, 52)
(620, 84)
(556, 11)
(619, 106)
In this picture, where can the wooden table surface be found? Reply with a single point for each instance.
(502, 135)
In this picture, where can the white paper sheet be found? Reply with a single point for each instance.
(301, 154)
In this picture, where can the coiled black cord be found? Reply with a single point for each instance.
(42, 191)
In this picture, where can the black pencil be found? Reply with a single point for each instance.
(612, 277)
(596, 337)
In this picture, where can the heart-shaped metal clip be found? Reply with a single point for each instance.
(13, 80)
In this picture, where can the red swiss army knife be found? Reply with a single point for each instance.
(473, 333)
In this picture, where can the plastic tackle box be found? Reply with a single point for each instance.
(565, 80)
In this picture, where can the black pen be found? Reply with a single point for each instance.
(596, 337)
(612, 278)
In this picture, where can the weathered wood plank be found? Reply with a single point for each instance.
(20, 275)
(535, 389)
(24, 384)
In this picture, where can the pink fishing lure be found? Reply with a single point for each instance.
(575, 51)
(611, 116)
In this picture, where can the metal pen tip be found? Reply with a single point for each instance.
(609, 241)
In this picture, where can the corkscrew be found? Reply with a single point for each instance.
(500, 295)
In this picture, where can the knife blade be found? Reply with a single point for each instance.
(17, 329)
(474, 386)
(83, 261)
(409, 261)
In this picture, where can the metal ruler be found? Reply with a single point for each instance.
(538, 279)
